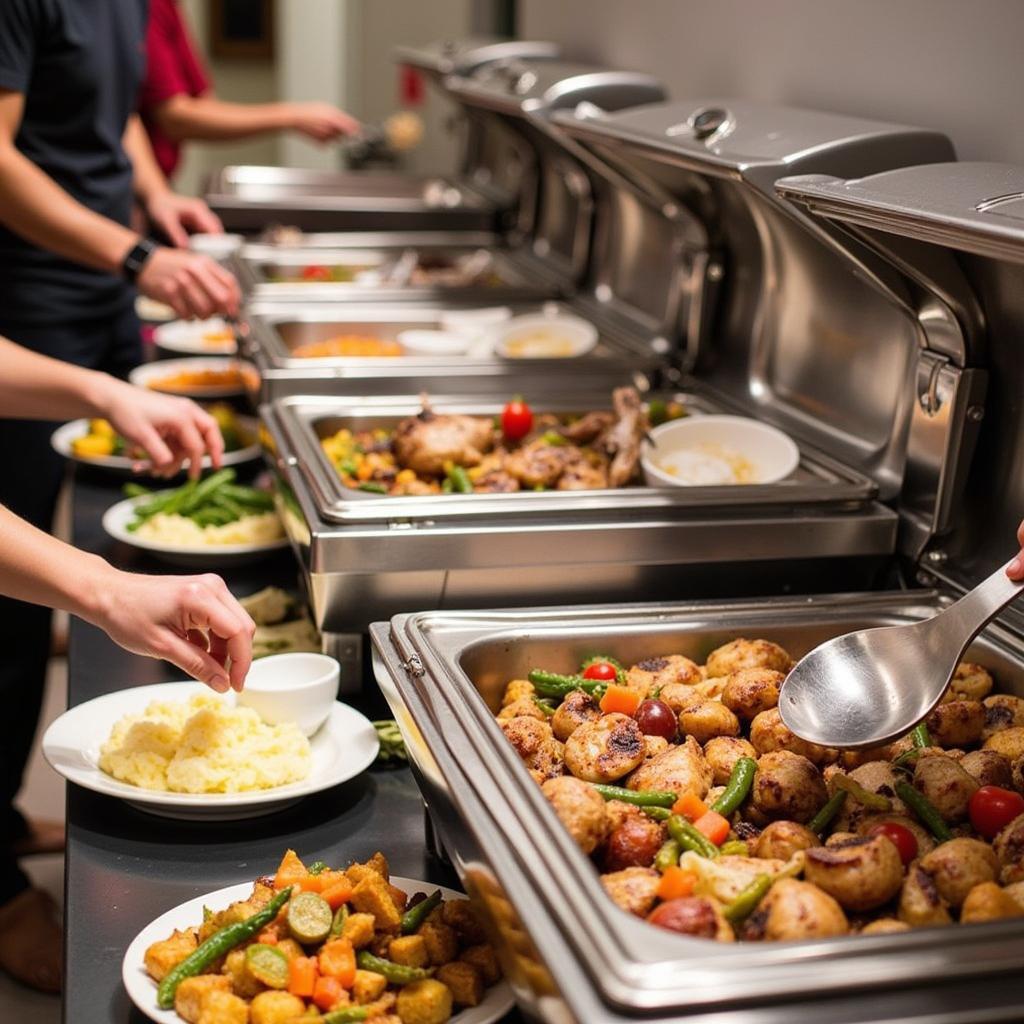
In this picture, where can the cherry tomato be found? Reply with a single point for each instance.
(516, 420)
(604, 671)
(315, 272)
(900, 836)
(656, 718)
(992, 808)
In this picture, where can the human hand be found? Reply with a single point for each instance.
(193, 622)
(192, 284)
(169, 430)
(1015, 570)
(321, 122)
(179, 216)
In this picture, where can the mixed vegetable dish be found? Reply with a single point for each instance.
(315, 944)
(215, 500)
(447, 453)
(705, 815)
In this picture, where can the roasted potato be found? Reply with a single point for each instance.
(681, 769)
(860, 874)
(516, 690)
(782, 839)
(1008, 742)
(988, 902)
(577, 709)
(768, 733)
(525, 707)
(651, 673)
(605, 750)
(705, 719)
(921, 905)
(1002, 711)
(633, 889)
(988, 768)
(580, 808)
(741, 654)
(795, 910)
(722, 753)
(945, 784)
(749, 691)
(971, 682)
(535, 743)
(885, 926)
(787, 786)
(1009, 850)
(959, 723)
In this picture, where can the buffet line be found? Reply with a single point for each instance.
(548, 440)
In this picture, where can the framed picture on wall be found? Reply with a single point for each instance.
(242, 29)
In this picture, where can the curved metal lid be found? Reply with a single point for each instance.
(463, 56)
(538, 88)
(974, 207)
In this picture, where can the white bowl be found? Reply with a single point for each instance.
(474, 322)
(434, 343)
(216, 246)
(523, 337)
(299, 687)
(707, 450)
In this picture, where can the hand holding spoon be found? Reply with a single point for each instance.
(871, 687)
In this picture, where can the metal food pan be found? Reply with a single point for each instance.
(571, 953)
(276, 329)
(248, 198)
(275, 272)
(305, 420)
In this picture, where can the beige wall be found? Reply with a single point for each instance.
(946, 64)
(337, 50)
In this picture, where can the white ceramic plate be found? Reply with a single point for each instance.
(576, 335)
(189, 337)
(63, 436)
(703, 450)
(117, 518)
(141, 988)
(343, 747)
(152, 312)
(149, 374)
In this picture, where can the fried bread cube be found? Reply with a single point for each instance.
(276, 1008)
(485, 960)
(368, 986)
(424, 1002)
(223, 1008)
(190, 994)
(410, 950)
(358, 930)
(162, 956)
(442, 943)
(372, 895)
(464, 981)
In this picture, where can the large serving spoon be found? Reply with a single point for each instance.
(871, 687)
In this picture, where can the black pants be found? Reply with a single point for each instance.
(30, 479)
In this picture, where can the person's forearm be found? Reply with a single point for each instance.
(147, 178)
(206, 117)
(40, 569)
(36, 387)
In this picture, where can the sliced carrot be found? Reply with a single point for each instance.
(310, 883)
(714, 826)
(269, 936)
(690, 806)
(337, 959)
(327, 992)
(302, 976)
(290, 871)
(337, 894)
(676, 883)
(621, 699)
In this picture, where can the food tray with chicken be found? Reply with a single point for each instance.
(360, 274)
(669, 824)
(445, 456)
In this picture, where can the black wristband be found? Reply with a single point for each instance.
(136, 259)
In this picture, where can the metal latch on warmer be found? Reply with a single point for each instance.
(929, 370)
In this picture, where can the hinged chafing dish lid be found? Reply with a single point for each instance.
(971, 214)
(814, 332)
(463, 56)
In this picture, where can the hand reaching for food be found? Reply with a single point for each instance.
(179, 216)
(169, 430)
(193, 622)
(193, 285)
(1015, 570)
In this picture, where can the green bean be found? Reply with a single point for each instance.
(205, 489)
(736, 789)
(829, 810)
(544, 706)
(373, 488)
(637, 797)
(925, 810)
(668, 855)
(734, 848)
(873, 801)
(248, 496)
(415, 916)
(554, 439)
(746, 902)
(392, 746)
(657, 813)
(552, 684)
(132, 490)
(908, 759)
(217, 945)
(397, 974)
(684, 833)
(461, 484)
(346, 1015)
(222, 501)
(920, 736)
(338, 922)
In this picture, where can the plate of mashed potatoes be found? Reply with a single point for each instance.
(182, 751)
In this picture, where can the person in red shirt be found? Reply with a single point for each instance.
(177, 103)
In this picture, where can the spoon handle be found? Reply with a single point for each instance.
(982, 604)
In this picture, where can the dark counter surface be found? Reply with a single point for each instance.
(125, 867)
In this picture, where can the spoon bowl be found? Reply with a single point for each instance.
(870, 687)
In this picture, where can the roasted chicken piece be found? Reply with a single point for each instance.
(425, 442)
(622, 440)
(587, 428)
(539, 464)
(589, 472)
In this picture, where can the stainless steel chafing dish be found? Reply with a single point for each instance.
(571, 954)
(276, 329)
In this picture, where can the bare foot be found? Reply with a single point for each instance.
(44, 836)
(30, 940)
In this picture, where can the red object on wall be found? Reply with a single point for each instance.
(410, 87)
